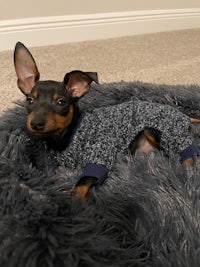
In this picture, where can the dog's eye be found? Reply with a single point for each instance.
(61, 102)
(29, 100)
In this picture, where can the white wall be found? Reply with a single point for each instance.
(15, 9)
(48, 22)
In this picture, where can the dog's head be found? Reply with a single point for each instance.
(50, 104)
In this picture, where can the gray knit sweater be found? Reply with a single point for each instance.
(107, 131)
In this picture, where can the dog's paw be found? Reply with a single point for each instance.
(81, 191)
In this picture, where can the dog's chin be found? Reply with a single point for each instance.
(56, 133)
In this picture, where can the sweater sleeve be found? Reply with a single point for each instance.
(191, 151)
(99, 171)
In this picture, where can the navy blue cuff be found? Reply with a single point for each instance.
(190, 152)
(98, 171)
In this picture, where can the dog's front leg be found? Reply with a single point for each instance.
(93, 175)
(83, 187)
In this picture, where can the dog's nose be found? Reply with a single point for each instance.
(37, 125)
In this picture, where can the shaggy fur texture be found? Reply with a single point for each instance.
(146, 214)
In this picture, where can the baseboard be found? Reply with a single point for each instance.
(75, 28)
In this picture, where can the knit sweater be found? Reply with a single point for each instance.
(107, 131)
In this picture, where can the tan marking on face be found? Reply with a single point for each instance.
(61, 122)
(56, 97)
(55, 124)
(29, 119)
(34, 94)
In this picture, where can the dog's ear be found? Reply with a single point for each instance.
(26, 68)
(78, 82)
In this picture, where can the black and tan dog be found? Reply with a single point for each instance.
(53, 110)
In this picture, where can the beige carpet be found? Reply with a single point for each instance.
(169, 58)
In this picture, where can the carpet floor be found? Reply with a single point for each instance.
(161, 58)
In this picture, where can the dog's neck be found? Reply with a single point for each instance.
(63, 140)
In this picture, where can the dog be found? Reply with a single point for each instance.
(96, 138)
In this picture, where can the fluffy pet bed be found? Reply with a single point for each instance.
(146, 214)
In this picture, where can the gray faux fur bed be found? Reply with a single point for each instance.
(146, 214)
